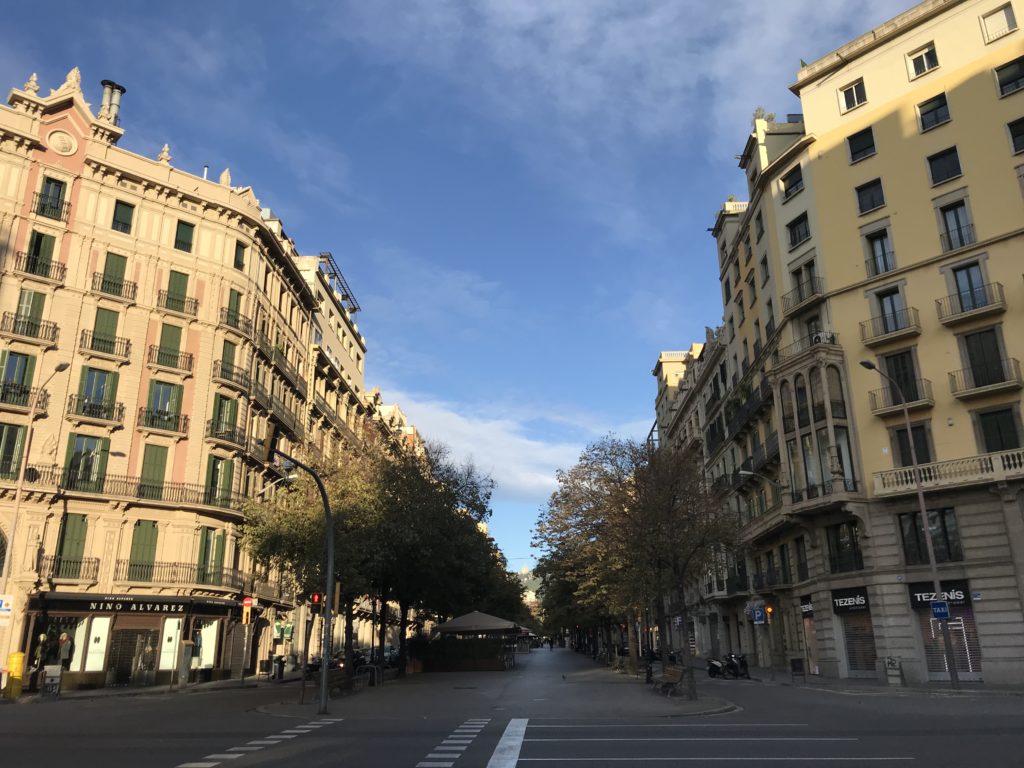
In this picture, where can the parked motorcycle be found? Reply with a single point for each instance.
(715, 668)
(736, 666)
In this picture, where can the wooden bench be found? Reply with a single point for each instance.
(671, 677)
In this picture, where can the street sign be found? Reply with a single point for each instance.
(247, 602)
(940, 609)
(760, 616)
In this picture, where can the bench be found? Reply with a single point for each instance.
(671, 677)
(340, 683)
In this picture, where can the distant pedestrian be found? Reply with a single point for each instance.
(551, 643)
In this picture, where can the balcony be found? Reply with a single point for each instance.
(264, 344)
(889, 327)
(816, 498)
(983, 468)
(260, 395)
(232, 375)
(773, 578)
(171, 359)
(46, 269)
(98, 411)
(114, 347)
(162, 572)
(230, 435)
(291, 372)
(234, 319)
(179, 305)
(957, 237)
(282, 413)
(29, 329)
(980, 380)
(886, 401)
(736, 584)
(19, 397)
(170, 494)
(806, 294)
(967, 305)
(125, 290)
(809, 342)
(162, 421)
(55, 567)
(880, 263)
(51, 206)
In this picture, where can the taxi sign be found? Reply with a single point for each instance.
(940, 609)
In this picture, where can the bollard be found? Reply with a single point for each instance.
(15, 674)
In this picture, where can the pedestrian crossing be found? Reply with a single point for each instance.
(451, 747)
(230, 754)
(547, 743)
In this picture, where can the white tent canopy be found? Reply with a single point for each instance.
(476, 622)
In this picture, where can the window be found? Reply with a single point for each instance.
(853, 95)
(123, 213)
(764, 269)
(1017, 135)
(735, 273)
(727, 290)
(177, 291)
(219, 474)
(923, 60)
(758, 226)
(11, 437)
(164, 405)
(183, 236)
(792, 183)
(902, 370)
(944, 165)
(112, 281)
(944, 532)
(998, 23)
(958, 230)
(999, 430)
(28, 319)
(922, 445)
(17, 370)
(844, 548)
(984, 359)
(71, 546)
(40, 254)
(892, 312)
(933, 112)
(97, 391)
(225, 414)
(861, 144)
(870, 196)
(210, 563)
(1010, 76)
(51, 199)
(86, 463)
(739, 307)
(144, 534)
(799, 230)
(970, 287)
(240, 256)
(752, 287)
(880, 258)
(747, 252)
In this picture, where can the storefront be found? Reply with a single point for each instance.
(853, 610)
(963, 633)
(130, 640)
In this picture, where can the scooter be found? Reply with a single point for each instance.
(736, 665)
(715, 668)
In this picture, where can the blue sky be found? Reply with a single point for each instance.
(518, 191)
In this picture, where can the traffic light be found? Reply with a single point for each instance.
(769, 610)
(316, 603)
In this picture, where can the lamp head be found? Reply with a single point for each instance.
(868, 364)
(744, 473)
(61, 367)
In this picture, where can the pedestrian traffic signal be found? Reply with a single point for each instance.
(769, 610)
(316, 603)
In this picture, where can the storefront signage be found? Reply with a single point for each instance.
(6, 609)
(75, 601)
(954, 592)
(806, 606)
(849, 600)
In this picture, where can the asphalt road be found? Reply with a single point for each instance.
(557, 710)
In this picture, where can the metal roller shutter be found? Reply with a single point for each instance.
(964, 636)
(860, 644)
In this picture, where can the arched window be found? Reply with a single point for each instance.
(803, 412)
(835, 393)
(787, 407)
(817, 395)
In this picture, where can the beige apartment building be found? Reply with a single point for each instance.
(884, 224)
(154, 323)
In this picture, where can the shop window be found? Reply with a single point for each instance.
(844, 553)
(945, 537)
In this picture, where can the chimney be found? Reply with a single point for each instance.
(112, 93)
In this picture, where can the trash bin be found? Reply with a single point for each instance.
(279, 667)
(15, 674)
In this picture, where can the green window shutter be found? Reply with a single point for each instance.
(204, 549)
(105, 327)
(170, 338)
(154, 469)
(3, 365)
(30, 370)
(69, 454)
(40, 253)
(110, 393)
(72, 538)
(101, 473)
(228, 355)
(183, 236)
(177, 285)
(177, 395)
(234, 301)
(232, 412)
(114, 268)
(82, 379)
(143, 543)
(38, 300)
(218, 552)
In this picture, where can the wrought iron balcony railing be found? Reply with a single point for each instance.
(165, 421)
(121, 289)
(235, 319)
(970, 303)
(32, 264)
(51, 206)
(115, 346)
(880, 263)
(955, 238)
(182, 305)
(917, 391)
(807, 342)
(170, 358)
(21, 396)
(804, 293)
(225, 433)
(99, 410)
(231, 374)
(29, 328)
(891, 325)
(72, 569)
(985, 377)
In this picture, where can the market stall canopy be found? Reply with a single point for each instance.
(476, 622)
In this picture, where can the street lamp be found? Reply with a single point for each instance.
(269, 451)
(33, 409)
(954, 677)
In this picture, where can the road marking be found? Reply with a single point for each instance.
(434, 765)
(264, 742)
(680, 725)
(197, 765)
(282, 735)
(719, 738)
(223, 756)
(452, 747)
(707, 759)
(506, 754)
(245, 749)
(296, 730)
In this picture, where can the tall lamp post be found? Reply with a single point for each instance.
(33, 411)
(954, 677)
(269, 451)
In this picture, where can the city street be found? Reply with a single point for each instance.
(556, 709)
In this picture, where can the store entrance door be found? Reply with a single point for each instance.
(133, 655)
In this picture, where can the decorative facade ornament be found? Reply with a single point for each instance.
(73, 82)
(165, 155)
(62, 142)
(104, 114)
(225, 177)
(32, 86)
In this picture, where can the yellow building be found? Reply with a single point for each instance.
(154, 322)
(884, 225)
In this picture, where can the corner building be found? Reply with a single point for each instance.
(154, 323)
(884, 225)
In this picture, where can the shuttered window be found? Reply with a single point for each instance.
(154, 468)
(104, 333)
(40, 254)
(143, 554)
(183, 236)
(123, 213)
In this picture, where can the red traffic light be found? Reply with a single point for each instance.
(316, 600)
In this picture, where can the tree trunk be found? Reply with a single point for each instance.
(663, 636)
(686, 659)
(349, 621)
(403, 626)
(634, 643)
(383, 625)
